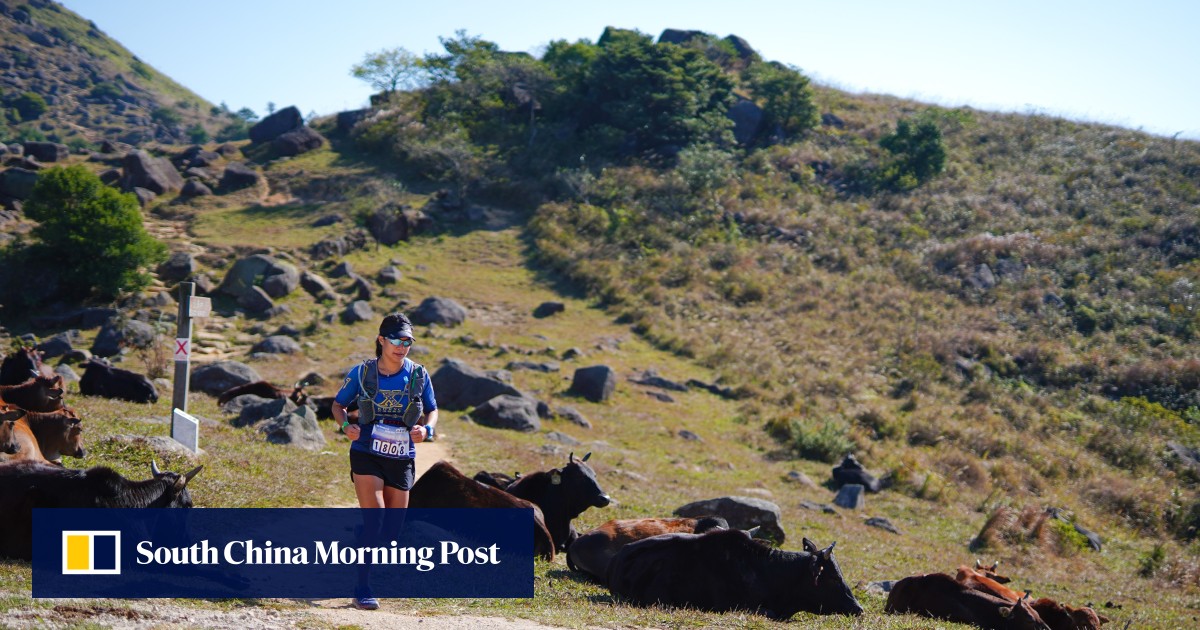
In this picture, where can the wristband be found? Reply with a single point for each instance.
(345, 423)
(428, 433)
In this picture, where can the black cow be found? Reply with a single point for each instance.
(26, 485)
(496, 479)
(443, 486)
(593, 550)
(725, 569)
(850, 471)
(40, 393)
(563, 494)
(20, 366)
(102, 379)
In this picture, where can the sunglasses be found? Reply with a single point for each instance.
(405, 341)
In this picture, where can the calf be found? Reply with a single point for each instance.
(23, 364)
(25, 445)
(443, 486)
(27, 485)
(58, 433)
(592, 551)
(979, 581)
(40, 393)
(1063, 617)
(8, 418)
(102, 379)
(563, 494)
(940, 596)
(724, 570)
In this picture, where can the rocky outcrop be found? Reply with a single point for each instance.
(142, 170)
(276, 125)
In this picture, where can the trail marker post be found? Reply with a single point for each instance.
(190, 306)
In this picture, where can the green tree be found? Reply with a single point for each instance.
(917, 154)
(391, 69)
(787, 98)
(90, 233)
(30, 105)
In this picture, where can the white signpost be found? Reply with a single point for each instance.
(185, 429)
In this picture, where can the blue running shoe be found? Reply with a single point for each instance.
(364, 601)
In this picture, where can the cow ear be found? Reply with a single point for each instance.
(809, 546)
(1005, 611)
(828, 551)
(586, 456)
(555, 477)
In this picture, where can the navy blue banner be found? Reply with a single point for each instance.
(294, 552)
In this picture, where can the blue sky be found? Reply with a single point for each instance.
(1123, 63)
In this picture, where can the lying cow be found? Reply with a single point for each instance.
(592, 551)
(940, 596)
(100, 378)
(23, 364)
(496, 479)
(27, 485)
(1057, 616)
(851, 471)
(724, 570)
(264, 389)
(563, 494)
(8, 418)
(40, 393)
(442, 486)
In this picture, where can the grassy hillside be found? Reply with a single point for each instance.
(844, 304)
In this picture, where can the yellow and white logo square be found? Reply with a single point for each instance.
(91, 553)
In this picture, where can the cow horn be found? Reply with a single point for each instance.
(994, 565)
(193, 472)
(828, 551)
(571, 458)
(978, 564)
(154, 468)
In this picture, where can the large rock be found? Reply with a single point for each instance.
(337, 246)
(17, 182)
(277, 344)
(297, 141)
(747, 120)
(516, 413)
(278, 278)
(392, 224)
(317, 286)
(179, 267)
(47, 151)
(440, 311)
(741, 512)
(58, 345)
(238, 176)
(360, 311)
(459, 386)
(117, 334)
(256, 301)
(298, 428)
(256, 408)
(595, 383)
(142, 170)
(215, 378)
(276, 125)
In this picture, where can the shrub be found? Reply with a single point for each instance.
(90, 233)
(166, 116)
(29, 106)
(106, 90)
(823, 440)
(197, 134)
(918, 154)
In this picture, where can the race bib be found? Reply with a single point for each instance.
(389, 441)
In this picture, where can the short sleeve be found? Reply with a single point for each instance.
(349, 389)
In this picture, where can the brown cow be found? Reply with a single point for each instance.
(58, 433)
(1057, 616)
(40, 393)
(991, 571)
(592, 552)
(8, 418)
(939, 596)
(443, 486)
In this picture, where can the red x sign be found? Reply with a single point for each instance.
(183, 348)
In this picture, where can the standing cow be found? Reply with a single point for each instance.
(725, 570)
(563, 494)
(26, 485)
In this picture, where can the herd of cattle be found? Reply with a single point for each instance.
(688, 562)
(37, 430)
